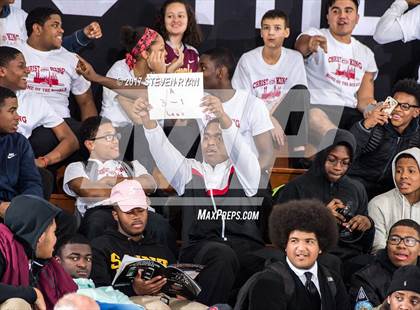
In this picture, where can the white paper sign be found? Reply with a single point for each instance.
(175, 95)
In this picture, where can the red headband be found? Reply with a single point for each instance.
(143, 44)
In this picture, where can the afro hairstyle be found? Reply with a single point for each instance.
(305, 215)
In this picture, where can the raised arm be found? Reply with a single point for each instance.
(174, 166)
(388, 28)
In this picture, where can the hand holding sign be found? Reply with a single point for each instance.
(175, 96)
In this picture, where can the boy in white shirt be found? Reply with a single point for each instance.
(395, 25)
(270, 71)
(13, 31)
(52, 69)
(246, 111)
(340, 69)
(34, 112)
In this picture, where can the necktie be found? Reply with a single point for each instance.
(312, 291)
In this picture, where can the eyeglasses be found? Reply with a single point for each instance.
(334, 161)
(109, 137)
(408, 241)
(406, 106)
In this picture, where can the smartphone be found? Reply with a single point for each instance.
(392, 104)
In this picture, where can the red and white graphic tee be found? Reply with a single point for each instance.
(335, 77)
(12, 27)
(53, 75)
(269, 82)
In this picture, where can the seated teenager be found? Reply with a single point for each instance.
(14, 31)
(28, 275)
(90, 181)
(327, 181)
(404, 291)
(145, 54)
(34, 111)
(340, 69)
(243, 108)
(402, 202)
(381, 136)
(300, 281)
(402, 249)
(269, 72)
(130, 212)
(229, 170)
(75, 256)
(52, 71)
(18, 173)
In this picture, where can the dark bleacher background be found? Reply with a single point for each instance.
(234, 27)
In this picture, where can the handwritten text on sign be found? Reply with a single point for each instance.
(175, 95)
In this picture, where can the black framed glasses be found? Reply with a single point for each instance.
(335, 161)
(406, 106)
(408, 241)
(109, 137)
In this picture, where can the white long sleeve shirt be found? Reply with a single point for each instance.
(394, 25)
(178, 170)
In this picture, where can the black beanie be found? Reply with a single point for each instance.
(406, 278)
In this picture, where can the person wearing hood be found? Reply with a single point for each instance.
(327, 181)
(403, 249)
(380, 136)
(402, 202)
(27, 274)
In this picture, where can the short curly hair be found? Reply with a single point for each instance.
(408, 86)
(308, 215)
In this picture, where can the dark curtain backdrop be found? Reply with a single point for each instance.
(234, 27)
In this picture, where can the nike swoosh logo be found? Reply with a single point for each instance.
(190, 61)
(11, 155)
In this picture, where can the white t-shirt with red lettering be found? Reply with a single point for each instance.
(109, 168)
(33, 112)
(12, 27)
(335, 78)
(248, 113)
(269, 82)
(53, 75)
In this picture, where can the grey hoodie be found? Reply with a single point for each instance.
(390, 207)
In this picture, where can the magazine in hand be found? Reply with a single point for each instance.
(180, 277)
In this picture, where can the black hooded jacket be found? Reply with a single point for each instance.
(27, 218)
(314, 184)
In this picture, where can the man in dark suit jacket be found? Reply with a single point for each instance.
(303, 229)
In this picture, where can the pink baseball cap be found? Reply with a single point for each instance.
(128, 195)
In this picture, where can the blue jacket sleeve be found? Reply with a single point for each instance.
(29, 181)
(76, 41)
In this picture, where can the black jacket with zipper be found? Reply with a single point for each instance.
(374, 278)
(376, 148)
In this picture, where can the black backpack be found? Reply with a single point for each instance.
(279, 268)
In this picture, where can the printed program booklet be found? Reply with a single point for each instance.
(180, 277)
